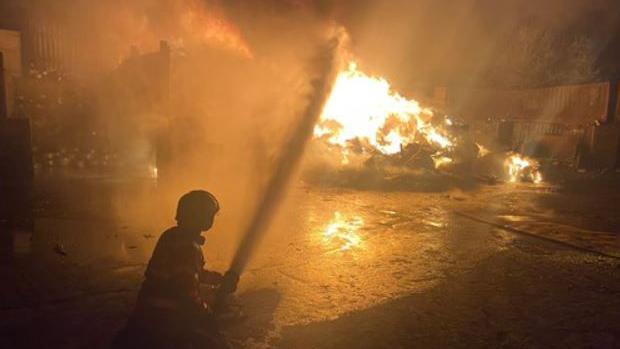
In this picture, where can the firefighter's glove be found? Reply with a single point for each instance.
(229, 282)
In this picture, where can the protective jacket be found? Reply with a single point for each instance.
(169, 307)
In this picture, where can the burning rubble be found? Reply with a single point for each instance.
(363, 115)
(522, 169)
(365, 124)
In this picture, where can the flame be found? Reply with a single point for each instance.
(365, 108)
(211, 26)
(345, 157)
(482, 150)
(186, 22)
(343, 231)
(441, 161)
(154, 172)
(522, 168)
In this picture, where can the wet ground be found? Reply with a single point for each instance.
(499, 266)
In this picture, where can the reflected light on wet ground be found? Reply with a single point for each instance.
(342, 232)
(332, 252)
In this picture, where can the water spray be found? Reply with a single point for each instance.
(325, 63)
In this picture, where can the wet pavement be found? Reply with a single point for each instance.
(341, 268)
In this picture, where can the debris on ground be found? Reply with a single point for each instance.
(60, 249)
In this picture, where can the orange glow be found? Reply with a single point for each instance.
(521, 168)
(365, 108)
(188, 22)
(342, 232)
(441, 161)
(154, 172)
(211, 26)
(482, 150)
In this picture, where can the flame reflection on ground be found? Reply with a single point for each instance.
(342, 232)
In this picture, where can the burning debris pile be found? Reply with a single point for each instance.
(364, 117)
(366, 125)
(523, 169)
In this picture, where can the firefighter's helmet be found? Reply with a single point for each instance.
(196, 207)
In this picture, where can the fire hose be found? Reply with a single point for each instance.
(294, 148)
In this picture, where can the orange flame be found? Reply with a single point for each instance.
(522, 168)
(441, 161)
(342, 231)
(186, 22)
(365, 108)
(211, 26)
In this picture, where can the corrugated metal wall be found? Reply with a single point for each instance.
(49, 46)
(570, 104)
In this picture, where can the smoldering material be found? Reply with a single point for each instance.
(294, 148)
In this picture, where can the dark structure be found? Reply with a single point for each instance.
(3, 102)
(16, 173)
(612, 101)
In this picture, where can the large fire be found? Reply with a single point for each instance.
(363, 115)
(365, 109)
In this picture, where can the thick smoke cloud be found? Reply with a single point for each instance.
(492, 43)
(508, 42)
(239, 81)
(232, 108)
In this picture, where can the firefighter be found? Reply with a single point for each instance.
(170, 311)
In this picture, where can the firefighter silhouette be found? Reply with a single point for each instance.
(170, 311)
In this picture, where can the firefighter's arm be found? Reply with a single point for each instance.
(229, 282)
(211, 277)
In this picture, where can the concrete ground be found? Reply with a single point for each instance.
(498, 266)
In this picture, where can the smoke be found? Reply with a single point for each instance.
(239, 78)
(232, 118)
(238, 81)
(102, 33)
(482, 42)
(419, 42)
